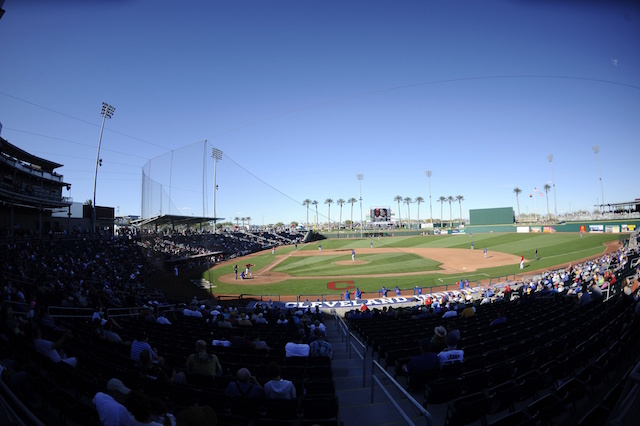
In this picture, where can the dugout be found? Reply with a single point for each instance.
(492, 216)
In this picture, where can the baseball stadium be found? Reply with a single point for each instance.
(486, 322)
(222, 296)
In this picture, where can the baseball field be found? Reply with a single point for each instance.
(426, 261)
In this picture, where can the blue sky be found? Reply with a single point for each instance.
(301, 95)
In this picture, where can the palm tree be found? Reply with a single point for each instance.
(460, 199)
(248, 221)
(441, 200)
(88, 202)
(243, 219)
(328, 201)
(237, 219)
(351, 200)
(418, 201)
(517, 191)
(340, 202)
(307, 203)
(398, 198)
(450, 199)
(547, 187)
(315, 203)
(408, 200)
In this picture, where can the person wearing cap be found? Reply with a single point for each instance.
(245, 385)
(203, 363)
(439, 339)
(257, 343)
(109, 405)
(451, 354)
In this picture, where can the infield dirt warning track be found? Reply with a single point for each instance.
(451, 261)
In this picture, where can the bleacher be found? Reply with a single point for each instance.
(554, 361)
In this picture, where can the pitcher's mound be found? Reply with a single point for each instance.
(350, 262)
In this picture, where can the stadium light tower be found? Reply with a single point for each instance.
(106, 112)
(553, 182)
(428, 173)
(360, 176)
(217, 156)
(596, 150)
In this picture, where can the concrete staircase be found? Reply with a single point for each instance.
(354, 392)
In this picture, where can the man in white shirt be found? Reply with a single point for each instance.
(109, 406)
(452, 354)
(297, 347)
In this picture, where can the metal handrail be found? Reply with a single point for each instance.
(416, 404)
(345, 333)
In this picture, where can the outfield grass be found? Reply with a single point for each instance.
(553, 249)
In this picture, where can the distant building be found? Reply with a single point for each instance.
(30, 190)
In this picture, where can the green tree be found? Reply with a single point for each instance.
(547, 187)
(408, 200)
(460, 199)
(328, 202)
(315, 203)
(517, 191)
(340, 202)
(441, 200)
(307, 203)
(398, 198)
(450, 199)
(418, 201)
(352, 200)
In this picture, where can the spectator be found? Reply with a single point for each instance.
(109, 405)
(501, 319)
(140, 344)
(277, 388)
(297, 347)
(50, 349)
(257, 343)
(451, 354)
(320, 347)
(203, 363)
(469, 310)
(426, 361)
(162, 319)
(246, 385)
(439, 339)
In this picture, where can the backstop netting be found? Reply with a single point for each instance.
(177, 183)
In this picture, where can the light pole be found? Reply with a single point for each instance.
(106, 112)
(553, 182)
(596, 150)
(360, 176)
(428, 173)
(217, 156)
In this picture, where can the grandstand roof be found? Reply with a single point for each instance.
(19, 154)
(171, 219)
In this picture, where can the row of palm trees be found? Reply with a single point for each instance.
(340, 202)
(546, 188)
(238, 219)
(407, 200)
(418, 200)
